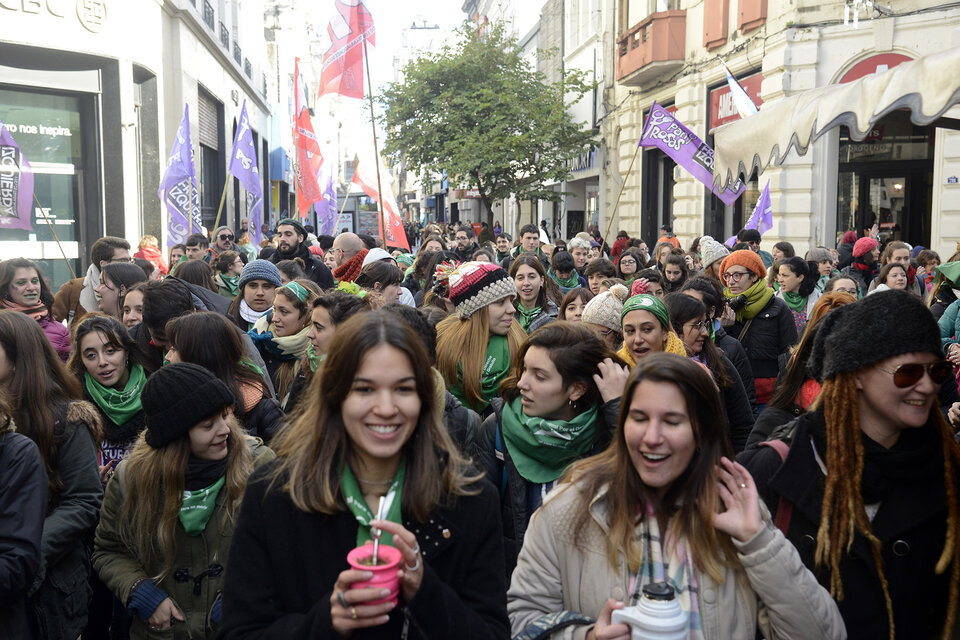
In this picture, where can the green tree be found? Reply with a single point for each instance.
(479, 111)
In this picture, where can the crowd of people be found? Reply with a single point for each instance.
(532, 432)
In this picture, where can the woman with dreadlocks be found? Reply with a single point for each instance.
(868, 489)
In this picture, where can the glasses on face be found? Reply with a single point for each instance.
(907, 375)
(224, 236)
(702, 327)
(628, 263)
(734, 276)
(852, 292)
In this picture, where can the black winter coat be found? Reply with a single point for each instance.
(462, 422)
(737, 409)
(264, 420)
(844, 255)
(734, 351)
(284, 563)
(910, 523)
(23, 499)
(771, 333)
(313, 268)
(513, 488)
(944, 298)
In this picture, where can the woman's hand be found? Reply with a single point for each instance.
(164, 615)
(741, 520)
(954, 415)
(107, 471)
(611, 380)
(728, 317)
(411, 566)
(347, 611)
(604, 629)
(953, 354)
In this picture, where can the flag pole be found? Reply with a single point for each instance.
(223, 197)
(60, 246)
(617, 203)
(190, 200)
(376, 152)
(346, 199)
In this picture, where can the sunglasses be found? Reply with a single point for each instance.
(225, 237)
(907, 375)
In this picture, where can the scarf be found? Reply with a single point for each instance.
(88, 297)
(198, 506)
(349, 270)
(361, 511)
(542, 449)
(867, 271)
(118, 404)
(230, 284)
(794, 300)
(251, 393)
(758, 296)
(668, 560)
(674, 345)
(314, 360)
(38, 312)
(249, 314)
(496, 364)
(570, 283)
(526, 316)
(285, 348)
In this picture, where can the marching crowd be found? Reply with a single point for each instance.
(205, 442)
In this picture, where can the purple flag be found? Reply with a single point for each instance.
(668, 134)
(327, 208)
(178, 188)
(762, 217)
(16, 184)
(243, 166)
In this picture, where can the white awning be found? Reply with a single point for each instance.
(927, 86)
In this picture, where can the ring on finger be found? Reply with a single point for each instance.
(415, 567)
(353, 612)
(416, 548)
(743, 485)
(341, 600)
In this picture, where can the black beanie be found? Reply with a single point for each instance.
(177, 397)
(296, 225)
(882, 325)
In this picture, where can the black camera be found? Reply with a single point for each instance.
(738, 302)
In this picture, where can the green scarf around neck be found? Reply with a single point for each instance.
(758, 295)
(232, 284)
(525, 316)
(794, 300)
(314, 359)
(570, 282)
(118, 404)
(198, 506)
(496, 365)
(543, 449)
(361, 510)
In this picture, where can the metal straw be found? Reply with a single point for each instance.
(375, 533)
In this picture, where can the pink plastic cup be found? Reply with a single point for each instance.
(384, 573)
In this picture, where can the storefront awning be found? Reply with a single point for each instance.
(927, 86)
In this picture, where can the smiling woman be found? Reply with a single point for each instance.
(23, 288)
(370, 430)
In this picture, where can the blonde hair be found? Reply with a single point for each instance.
(156, 478)
(462, 343)
(148, 241)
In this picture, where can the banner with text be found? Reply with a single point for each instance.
(16, 184)
(178, 188)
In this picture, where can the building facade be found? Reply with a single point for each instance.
(899, 177)
(93, 92)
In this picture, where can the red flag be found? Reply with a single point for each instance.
(366, 178)
(342, 68)
(308, 150)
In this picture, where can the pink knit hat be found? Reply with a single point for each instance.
(863, 246)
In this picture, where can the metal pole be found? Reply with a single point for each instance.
(223, 197)
(62, 252)
(617, 203)
(376, 152)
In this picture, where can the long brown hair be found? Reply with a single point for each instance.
(7, 270)
(116, 336)
(313, 450)
(156, 479)
(286, 371)
(691, 501)
(842, 512)
(683, 309)
(39, 383)
(549, 290)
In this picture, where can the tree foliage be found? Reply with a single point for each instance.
(478, 110)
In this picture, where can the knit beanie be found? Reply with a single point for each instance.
(474, 285)
(711, 251)
(260, 270)
(216, 232)
(604, 309)
(376, 255)
(857, 335)
(746, 259)
(406, 259)
(863, 246)
(849, 237)
(177, 397)
(646, 302)
(296, 225)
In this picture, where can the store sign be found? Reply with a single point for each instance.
(722, 107)
(92, 14)
(874, 64)
(583, 161)
(462, 194)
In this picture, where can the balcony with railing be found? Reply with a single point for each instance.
(237, 52)
(208, 15)
(652, 48)
(248, 68)
(225, 36)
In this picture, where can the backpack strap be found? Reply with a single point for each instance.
(498, 450)
(784, 507)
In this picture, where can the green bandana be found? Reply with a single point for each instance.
(950, 271)
(526, 316)
(496, 364)
(119, 406)
(543, 449)
(198, 506)
(313, 359)
(794, 300)
(297, 289)
(650, 303)
(758, 296)
(231, 284)
(361, 511)
(570, 282)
